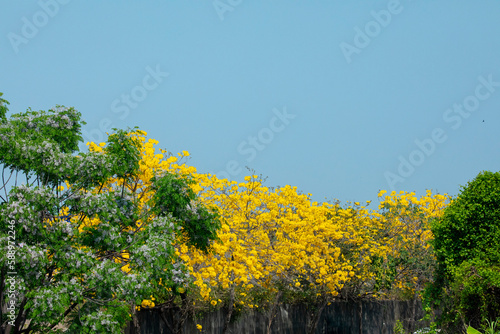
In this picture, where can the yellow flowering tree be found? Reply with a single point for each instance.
(266, 244)
(272, 241)
(162, 207)
(86, 237)
(394, 256)
(276, 245)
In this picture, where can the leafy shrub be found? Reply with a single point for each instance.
(467, 247)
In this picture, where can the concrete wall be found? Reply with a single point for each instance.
(362, 317)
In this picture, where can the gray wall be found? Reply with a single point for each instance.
(360, 317)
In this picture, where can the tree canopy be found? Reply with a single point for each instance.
(92, 237)
(87, 236)
(467, 248)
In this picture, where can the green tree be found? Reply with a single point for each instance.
(3, 108)
(81, 246)
(467, 248)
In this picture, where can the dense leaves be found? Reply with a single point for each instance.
(467, 246)
(3, 108)
(470, 227)
(81, 247)
(172, 196)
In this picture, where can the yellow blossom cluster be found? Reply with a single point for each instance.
(279, 239)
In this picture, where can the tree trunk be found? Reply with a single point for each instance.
(135, 319)
(229, 310)
(21, 316)
(173, 316)
(273, 311)
(162, 311)
(183, 314)
(314, 320)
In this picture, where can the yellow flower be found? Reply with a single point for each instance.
(147, 303)
(185, 153)
(381, 193)
(198, 326)
(213, 302)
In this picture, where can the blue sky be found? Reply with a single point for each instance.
(338, 98)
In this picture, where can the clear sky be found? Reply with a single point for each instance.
(338, 98)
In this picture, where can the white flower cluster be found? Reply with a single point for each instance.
(20, 209)
(93, 165)
(180, 275)
(61, 109)
(48, 302)
(165, 225)
(133, 286)
(193, 208)
(33, 259)
(156, 248)
(94, 203)
(24, 197)
(56, 226)
(16, 207)
(59, 119)
(52, 123)
(72, 288)
(48, 154)
(103, 272)
(104, 319)
(74, 258)
(426, 330)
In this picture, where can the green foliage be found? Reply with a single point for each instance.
(467, 248)
(470, 225)
(3, 108)
(398, 327)
(490, 328)
(476, 290)
(84, 254)
(127, 152)
(39, 142)
(471, 330)
(173, 196)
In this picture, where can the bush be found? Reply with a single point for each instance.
(467, 247)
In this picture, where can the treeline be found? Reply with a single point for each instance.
(94, 237)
